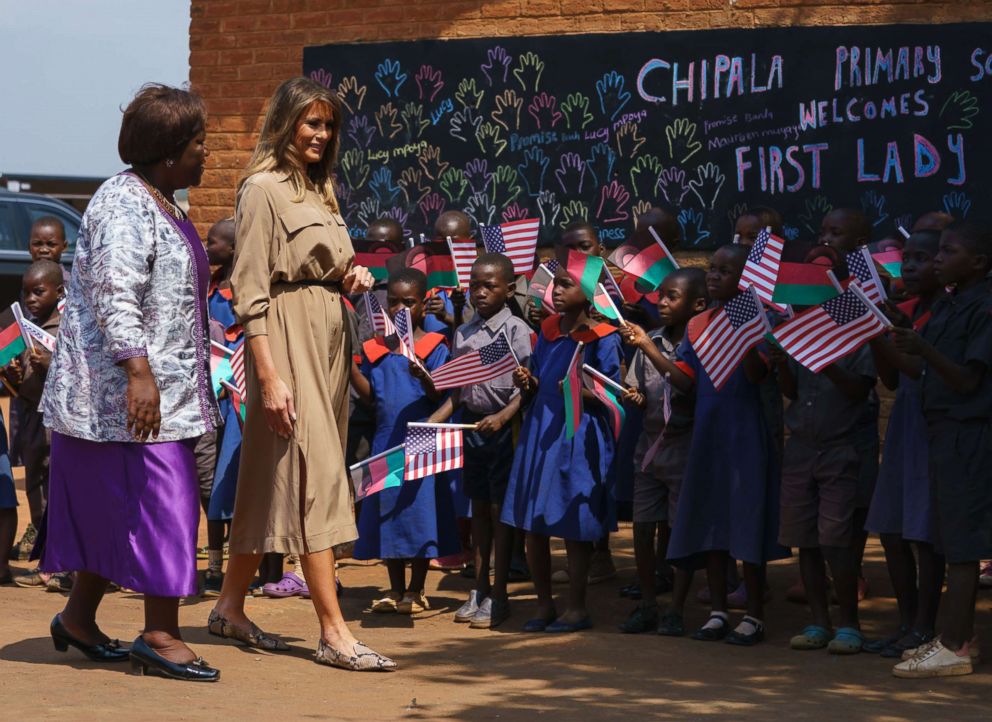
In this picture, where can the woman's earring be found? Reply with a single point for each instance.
(169, 163)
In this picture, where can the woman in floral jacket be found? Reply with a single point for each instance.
(128, 393)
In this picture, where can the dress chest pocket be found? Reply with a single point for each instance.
(308, 237)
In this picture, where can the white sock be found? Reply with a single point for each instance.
(748, 626)
(716, 620)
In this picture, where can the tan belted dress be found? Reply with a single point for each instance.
(293, 495)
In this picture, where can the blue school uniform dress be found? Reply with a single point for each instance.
(622, 470)
(225, 486)
(8, 496)
(729, 499)
(560, 487)
(417, 518)
(901, 503)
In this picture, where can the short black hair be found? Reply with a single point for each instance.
(412, 277)
(394, 226)
(928, 238)
(580, 225)
(227, 223)
(861, 223)
(976, 237)
(694, 280)
(499, 262)
(735, 249)
(159, 123)
(51, 222)
(767, 216)
(48, 271)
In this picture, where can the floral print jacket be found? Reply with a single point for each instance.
(134, 292)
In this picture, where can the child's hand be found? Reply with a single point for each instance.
(534, 314)
(435, 305)
(523, 379)
(634, 396)
(15, 371)
(908, 341)
(458, 298)
(634, 335)
(492, 423)
(895, 314)
(776, 355)
(40, 359)
(418, 371)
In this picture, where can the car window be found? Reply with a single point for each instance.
(70, 222)
(10, 228)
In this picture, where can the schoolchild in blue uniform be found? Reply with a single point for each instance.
(953, 354)
(901, 512)
(728, 505)
(558, 486)
(414, 522)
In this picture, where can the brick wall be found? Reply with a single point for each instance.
(240, 50)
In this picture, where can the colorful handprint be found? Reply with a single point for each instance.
(543, 109)
(390, 77)
(528, 72)
(612, 96)
(497, 65)
(351, 94)
(429, 82)
(613, 199)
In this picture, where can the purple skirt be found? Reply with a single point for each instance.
(126, 511)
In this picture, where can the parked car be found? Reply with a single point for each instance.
(18, 211)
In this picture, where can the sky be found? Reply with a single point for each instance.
(69, 68)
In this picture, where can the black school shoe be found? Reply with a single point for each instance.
(145, 660)
(712, 634)
(671, 625)
(747, 640)
(642, 619)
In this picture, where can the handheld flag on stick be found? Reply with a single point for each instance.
(805, 284)
(378, 319)
(517, 240)
(666, 416)
(382, 471)
(220, 365)
(610, 393)
(586, 271)
(648, 263)
(890, 260)
(603, 303)
(862, 267)
(732, 331)
(826, 333)
(19, 315)
(761, 267)
(238, 369)
(237, 399)
(373, 255)
(37, 334)
(464, 253)
(541, 287)
(475, 367)
(434, 260)
(572, 388)
(433, 448)
(12, 342)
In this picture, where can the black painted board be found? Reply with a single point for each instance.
(891, 119)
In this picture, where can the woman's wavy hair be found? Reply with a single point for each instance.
(275, 150)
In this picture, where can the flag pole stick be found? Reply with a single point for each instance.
(870, 262)
(11, 389)
(657, 238)
(427, 425)
(19, 316)
(859, 292)
(761, 307)
(369, 460)
(737, 239)
(221, 347)
(502, 332)
(613, 305)
(835, 282)
(451, 250)
(604, 378)
(575, 355)
(903, 231)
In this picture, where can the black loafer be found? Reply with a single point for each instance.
(671, 625)
(111, 651)
(642, 619)
(145, 660)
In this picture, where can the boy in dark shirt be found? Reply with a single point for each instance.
(952, 356)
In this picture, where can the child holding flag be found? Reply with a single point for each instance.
(42, 290)
(558, 485)
(492, 404)
(901, 511)
(414, 521)
(663, 447)
(728, 504)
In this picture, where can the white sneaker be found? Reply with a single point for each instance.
(936, 661)
(468, 609)
(483, 615)
(973, 650)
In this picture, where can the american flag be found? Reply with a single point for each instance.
(238, 367)
(464, 253)
(761, 267)
(666, 416)
(862, 267)
(432, 450)
(733, 330)
(489, 362)
(379, 319)
(517, 240)
(823, 334)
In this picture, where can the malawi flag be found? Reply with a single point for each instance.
(609, 393)
(804, 284)
(585, 270)
(604, 303)
(433, 259)
(373, 255)
(572, 388)
(382, 471)
(11, 341)
(648, 263)
(890, 260)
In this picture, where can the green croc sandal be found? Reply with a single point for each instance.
(847, 640)
(812, 637)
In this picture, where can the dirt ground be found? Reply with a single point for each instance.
(449, 672)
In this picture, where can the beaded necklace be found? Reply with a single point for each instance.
(170, 206)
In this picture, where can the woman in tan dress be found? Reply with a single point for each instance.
(293, 261)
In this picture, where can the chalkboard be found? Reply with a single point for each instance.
(891, 119)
